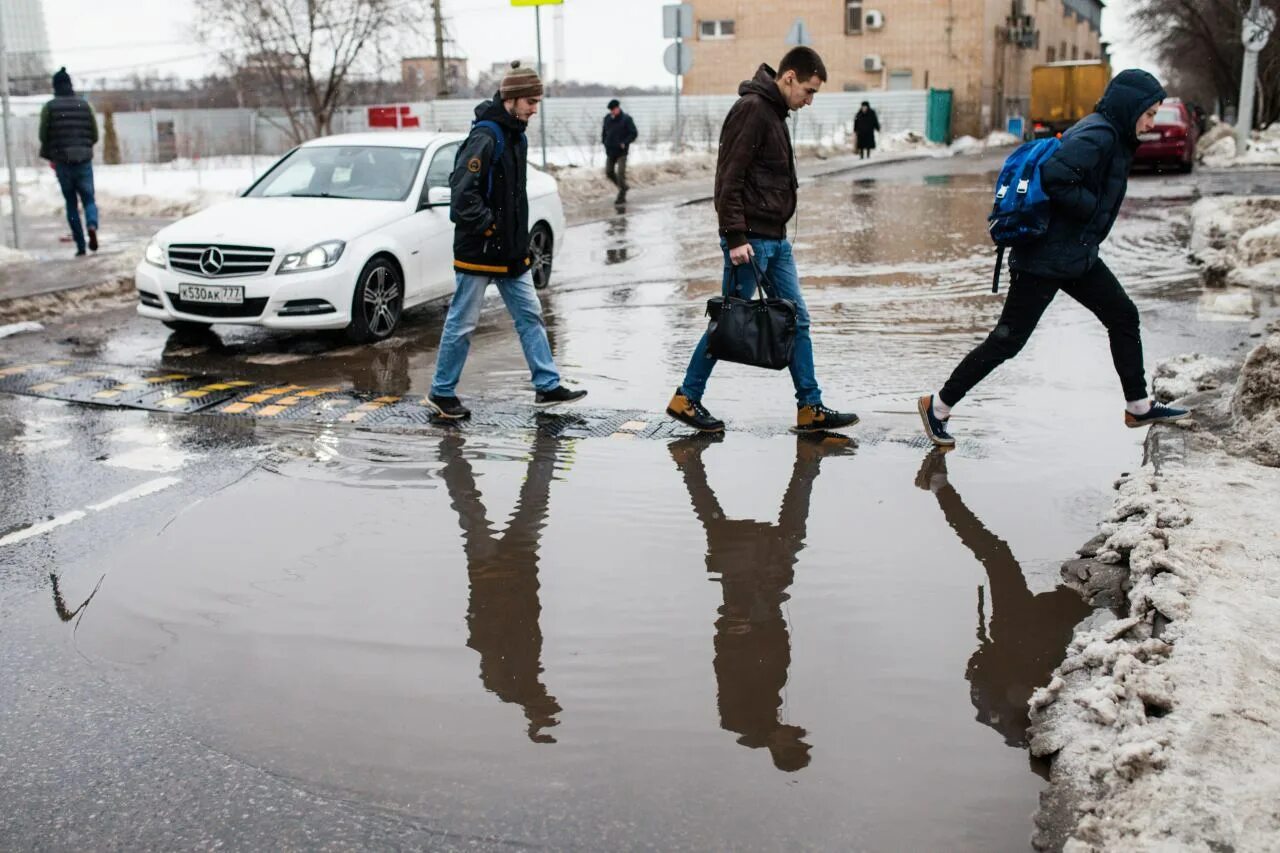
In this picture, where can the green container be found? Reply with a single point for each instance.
(939, 119)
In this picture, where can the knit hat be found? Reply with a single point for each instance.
(62, 82)
(614, 103)
(520, 82)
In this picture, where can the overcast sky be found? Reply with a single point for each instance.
(610, 41)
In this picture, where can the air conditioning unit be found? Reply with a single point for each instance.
(872, 62)
(874, 20)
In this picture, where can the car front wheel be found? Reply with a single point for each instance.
(377, 302)
(540, 246)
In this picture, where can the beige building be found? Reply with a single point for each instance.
(982, 50)
(420, 73)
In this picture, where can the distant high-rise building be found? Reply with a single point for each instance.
(27, 43)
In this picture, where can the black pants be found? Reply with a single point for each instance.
(615, 169)
(1028, 297)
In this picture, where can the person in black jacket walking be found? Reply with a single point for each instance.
(68, 132)
(617, 134)
(866, 124)
(490, 207)
(1085, 180)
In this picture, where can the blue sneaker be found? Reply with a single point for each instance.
(934, 426)
(1159, 413)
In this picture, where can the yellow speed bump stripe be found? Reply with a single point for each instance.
(236, 408)
(316, 392)
(362, 411)
(271, 411)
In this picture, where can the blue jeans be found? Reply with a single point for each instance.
(76, 180)
(464, 313)
(776, 261)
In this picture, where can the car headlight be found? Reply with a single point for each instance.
(155, 255)
(317, 257)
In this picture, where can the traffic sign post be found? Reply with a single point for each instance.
(1259, 23)
(537, 18)
(677, 23)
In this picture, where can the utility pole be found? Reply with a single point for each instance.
(8, 134)
(1259, 21)
(442, 76)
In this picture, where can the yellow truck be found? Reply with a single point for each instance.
(1062, 93)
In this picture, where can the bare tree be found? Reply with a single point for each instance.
(306, 52)
(1198, 41)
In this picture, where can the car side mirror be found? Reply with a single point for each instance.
(437, 197)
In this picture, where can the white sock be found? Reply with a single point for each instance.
(941, 410)
(1138, 407)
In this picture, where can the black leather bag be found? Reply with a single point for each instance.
(759, 332)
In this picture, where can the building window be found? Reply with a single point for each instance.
(715, 29)
(1088, 55)
(1051, 54)
(1062, 52)
(1075, 53)
(853, 18)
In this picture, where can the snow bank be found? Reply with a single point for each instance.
(1162, 721)
(1237, 239)
(1217, 148)
(13, 256)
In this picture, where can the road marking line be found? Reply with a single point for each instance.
(42, 527)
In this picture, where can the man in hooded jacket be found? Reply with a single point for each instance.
(489, 205)
(68, 132)
(1085, 180)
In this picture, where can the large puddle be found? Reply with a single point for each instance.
(756, 642)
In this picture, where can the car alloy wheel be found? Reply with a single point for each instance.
(540, 256)
(379, 297)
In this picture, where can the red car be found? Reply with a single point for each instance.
(1172, 142)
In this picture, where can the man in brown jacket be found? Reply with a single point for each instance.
(755, 198)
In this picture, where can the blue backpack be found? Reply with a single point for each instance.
(499, 145)
(1021, 210)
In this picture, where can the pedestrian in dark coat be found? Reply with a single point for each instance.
(68, 132)
(616, 135)
(1085, 180)
(866, 124)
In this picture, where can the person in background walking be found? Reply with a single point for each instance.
(617, 134)
(490, 206)
(1085, 180)
(68, 132)
(866, 124)
(755, 197)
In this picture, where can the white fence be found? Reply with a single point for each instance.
(571, 125)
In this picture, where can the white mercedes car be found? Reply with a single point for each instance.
(344, 232)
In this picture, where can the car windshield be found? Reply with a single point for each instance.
(1168, 115)
(369, 172)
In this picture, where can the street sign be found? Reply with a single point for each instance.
(1258, 26)
(799, 33)
(678, 58)
(537, 2)
(677, 21)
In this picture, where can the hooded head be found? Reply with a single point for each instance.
(62, 82)
(1128, 96)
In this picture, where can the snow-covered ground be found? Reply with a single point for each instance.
(1163, 722)
(1217, 148)
(1237, 239)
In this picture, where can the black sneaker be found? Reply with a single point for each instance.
(93, 239)
(934, 426)
(448, 407)
(819, 418)
(1159, 413)
(558, 395)
(691, 413)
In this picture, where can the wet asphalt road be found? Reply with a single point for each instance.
(258, 634)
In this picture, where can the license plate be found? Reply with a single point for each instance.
(1148, 137)
(221, 294)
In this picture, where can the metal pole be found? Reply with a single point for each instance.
(537, 17)
(1244, 115)
(8, 144)
(442, 80)
(679, 138)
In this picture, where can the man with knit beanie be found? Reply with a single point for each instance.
(68, 132)
(490, 209)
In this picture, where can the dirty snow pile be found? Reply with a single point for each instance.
(1237, 239)
(1163, 722)
(9, 255)
(580, 184)
(995, 139)
(1217, 148)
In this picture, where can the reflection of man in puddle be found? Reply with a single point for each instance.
(503, 610)
(755, 562)
(616, 232)
(1028, 632)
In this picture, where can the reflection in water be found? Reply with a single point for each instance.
(1027, 632)
(755, 562)
(619, 248)
(503, 609)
